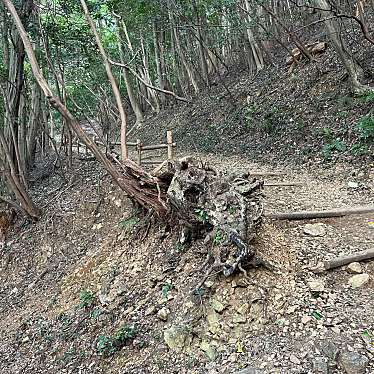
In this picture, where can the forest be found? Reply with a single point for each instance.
(187, 186)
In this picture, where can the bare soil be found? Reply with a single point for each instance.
(86, 241)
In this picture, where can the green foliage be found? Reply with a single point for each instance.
(365, 128)
(166, 288)
(249, 115)
(335, 145)
(129, 223)
(368, 97)
(86, 298)
(108, 345)
(202, 215)
(219, 237)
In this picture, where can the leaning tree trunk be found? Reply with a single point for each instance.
(138, 184)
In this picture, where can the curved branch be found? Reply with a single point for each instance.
(137, 76)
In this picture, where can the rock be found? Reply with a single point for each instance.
(217, 306)
(238, 318)
(306, 319)
(315, 229)
(358, 280)
(209, 350)
(353, 185)
(354, 268)
(250, 370)
(177, 337)
(329, 349)
(353, 363)
(150, 310)
(295, 360)
(316, 286)
(320, 366)
(208, 284)
(213, 321)
(163, 314)
(243, 309)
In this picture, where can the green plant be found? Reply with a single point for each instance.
(104, 345)
(249, 113)
(219, 237)
(202, 215)
(334, 146)
(368, 97)
(166, 288)
(326, 132)
(124, 333)
(107, 345)
(365, 128)
(233, 209)
(86, 298)
(129, 223)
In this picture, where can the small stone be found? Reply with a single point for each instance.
(217, 306)
(208, 284)
(150, 310)
(353, 184)
(243, 309)
(329, 349)
(353, 363)
(294, 359)
(316, 286)
(354, 268)
(306, 319)
(250, 370)
(238, 318)
(320, 366)
(209, 350)
(292, 309)
(25, 339)
(358, 280)
(315, 229)
(213, 321)
(163, 314)
(177, 338)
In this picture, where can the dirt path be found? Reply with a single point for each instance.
(82, 244)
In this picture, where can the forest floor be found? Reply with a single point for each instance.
(83, 292)
(87, 289)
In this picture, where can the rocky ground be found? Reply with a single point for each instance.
(88, 289)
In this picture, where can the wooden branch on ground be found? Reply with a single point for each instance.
(283, 184)
(266, 173)
(310, 214)
(345, 260)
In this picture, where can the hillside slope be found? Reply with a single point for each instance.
(308, 115)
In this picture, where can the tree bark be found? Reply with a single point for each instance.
(112, 80)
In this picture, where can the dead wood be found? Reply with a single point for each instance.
(310, 214)
(283, 184)
(226, 211)
(345, 260)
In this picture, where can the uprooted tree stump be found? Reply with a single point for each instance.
(224, 211)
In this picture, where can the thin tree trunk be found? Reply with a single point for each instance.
(112, 81)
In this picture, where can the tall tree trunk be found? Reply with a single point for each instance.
(112, 81)
(135, 105)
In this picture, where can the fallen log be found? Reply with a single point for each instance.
(283, 184)
(311, 214)
(344, 260)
